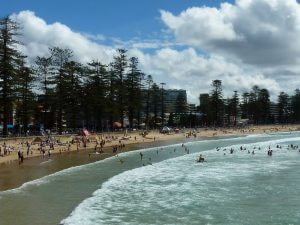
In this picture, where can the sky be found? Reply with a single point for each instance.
(184, 43)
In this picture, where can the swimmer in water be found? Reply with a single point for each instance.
(201, 159)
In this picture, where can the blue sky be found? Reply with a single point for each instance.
(124, 19)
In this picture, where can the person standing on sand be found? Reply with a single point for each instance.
(19, 156)
(28, 148)
(22, 157)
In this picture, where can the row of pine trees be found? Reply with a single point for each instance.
(254, 105)
(58, 92)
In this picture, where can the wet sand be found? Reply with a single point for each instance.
(13, 174)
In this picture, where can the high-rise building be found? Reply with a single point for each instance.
(192, 108)
(170, 99)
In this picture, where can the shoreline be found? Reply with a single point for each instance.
(202, 133)
(16, 143)
(13, 174)
(16, 175)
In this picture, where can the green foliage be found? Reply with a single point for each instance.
(9, 58)
(296, 106)
(217, 102)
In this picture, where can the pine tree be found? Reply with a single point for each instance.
(149, 82)
(217, 102)
(43, 71)
(60, 57)
(119, 67)
(283, 107)
(24, 93)
(73, 87)
(8, 59)
(245, 105)
(264, 106)
(133, 90)
(296, 106)
(97, 90)
(235, 104)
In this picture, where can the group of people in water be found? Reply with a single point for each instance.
(269, 152)
(148, 161)
(201, 158)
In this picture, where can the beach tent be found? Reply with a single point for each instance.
(37, 140)
(165, 130)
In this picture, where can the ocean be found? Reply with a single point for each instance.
(168, 186)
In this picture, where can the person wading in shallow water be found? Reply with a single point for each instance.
(141, 154)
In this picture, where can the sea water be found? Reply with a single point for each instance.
(168, 186)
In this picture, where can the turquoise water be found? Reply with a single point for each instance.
(238, 188)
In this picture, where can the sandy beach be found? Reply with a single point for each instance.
(65, 144)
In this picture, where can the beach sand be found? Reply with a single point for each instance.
(13, 174)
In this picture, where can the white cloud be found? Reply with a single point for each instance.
(188, 70)
(196, 20)
(263, 33)
(37, 36)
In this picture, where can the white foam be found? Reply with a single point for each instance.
(45, 162)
